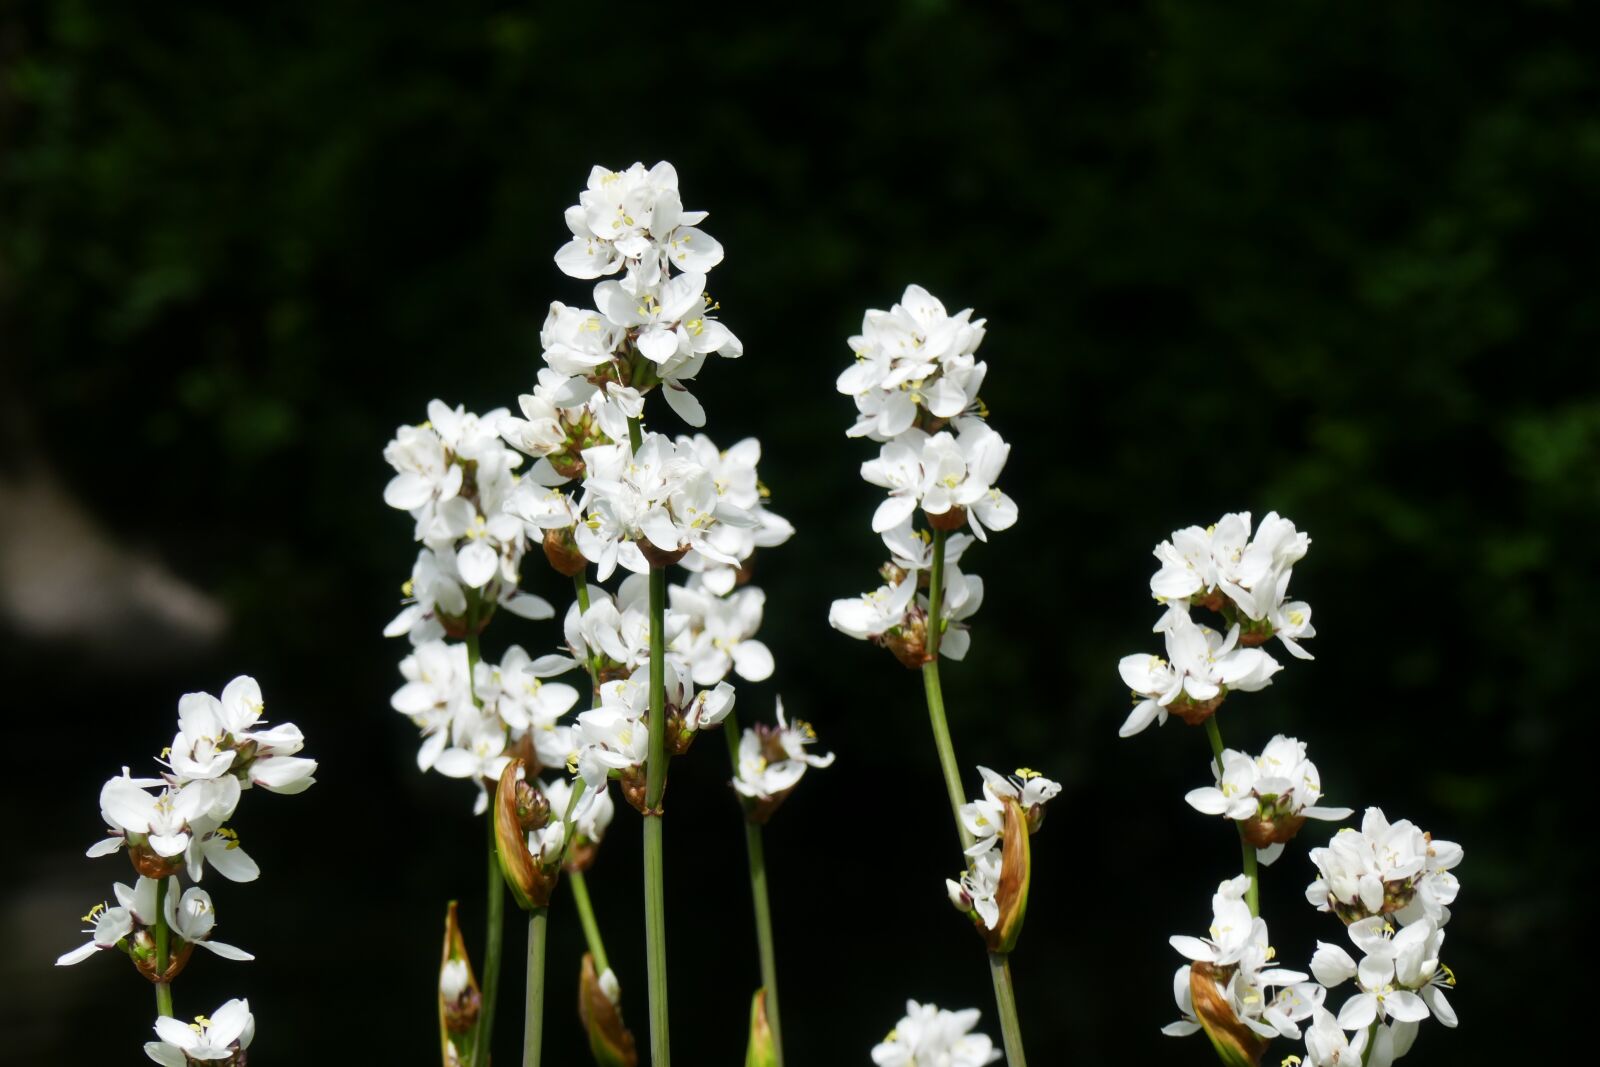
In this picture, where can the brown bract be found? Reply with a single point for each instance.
(457, 1017)
(1195, 712)
(610, 1042)
(1237, 1045)
(954, 519)
(1263, 832)
(1016, 863)
(658, 558)
(562, 552)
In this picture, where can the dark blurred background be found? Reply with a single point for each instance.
(1331, 259)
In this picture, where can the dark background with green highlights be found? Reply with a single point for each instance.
(1331, 259)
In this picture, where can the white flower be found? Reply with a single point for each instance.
(773, 760)
(978, 890)
(593, 813)
(160, 820)
(1385, 869)
(985, 818)
(217, 845)
(656, 494)
(959, 472)
(1280, 784)
(913, 356)
(1223, 561)
(1201, 665)
(1238, 953)
(963, 596)
(228, 1032)
(135, 908)
(721, 633)
(929, 1036)
(437, 692)
(478, 754)
(635, 218)
(192, 918)
(1327, 1045)
(1400, 978)
(873, 614)
(515, 691)
(434, 589)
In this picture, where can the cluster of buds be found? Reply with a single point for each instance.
(532, 837)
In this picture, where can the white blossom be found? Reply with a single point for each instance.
(929, 1036)
(1385, 868)
(1201, 665)
(222, 1038)
(1277, 786)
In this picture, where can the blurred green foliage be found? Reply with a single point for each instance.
(1334, 260)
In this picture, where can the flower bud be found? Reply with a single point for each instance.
(762, 1050)
(600, 1009)
(459, 998)
(909, 641)
(561, 549)
(1235, 1043)
(515, 813)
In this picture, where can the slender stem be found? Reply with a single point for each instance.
(655, 904)
(935, 692)
(495, 931)
(591, 929)
(635, 433)
(163, 951)
(755, 850)
(1252, 896)
(580, 583)
(533, 1010)
(1006, 1000)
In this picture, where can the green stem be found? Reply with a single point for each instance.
(655, 904)
(935, 692)
(591, 929)
(755, 850)
(533, 1010)
(1252, 896)
(495, 932)
(1006, 1000)
(163, 951)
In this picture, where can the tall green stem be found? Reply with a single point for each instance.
(1005, 1000)
(163, 951)
(533, 1009)
(655, 903)
(1252, 896)
(935, 692)
(591, 929)
(495, 931)
(999, 964)
(755, 850)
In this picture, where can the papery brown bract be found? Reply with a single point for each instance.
(610, 1041)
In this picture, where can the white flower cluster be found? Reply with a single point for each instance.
(772, 760)
(1270, 795)
(1373, 878)
(929, 1034)
(454, 475)
(175, 825)
(977, 894)
(1244, 580)
(1234, 959)
(600, 493)
(915, 383)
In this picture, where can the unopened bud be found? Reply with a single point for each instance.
(532, 809)
(562, 551)
(909, 641)
(459, 998)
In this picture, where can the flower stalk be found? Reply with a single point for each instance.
(533, 1009)
(1253, 896)
(655, 907)
(494, 936)
(935, 692)
(163, 936)
(755, 851)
